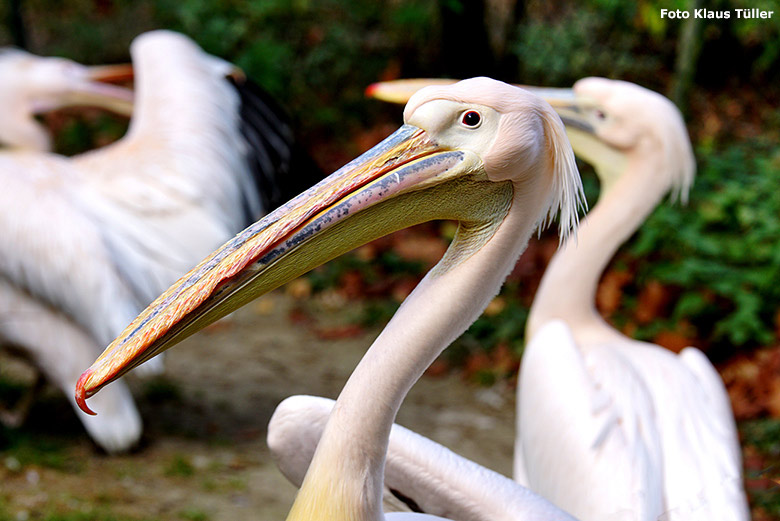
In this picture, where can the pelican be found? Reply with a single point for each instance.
(31, 85)
(651, 429)
(484, 153)
(30, 326)
(119, 224)
(609, 427)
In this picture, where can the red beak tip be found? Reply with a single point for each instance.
(81, 394)
(371, 90)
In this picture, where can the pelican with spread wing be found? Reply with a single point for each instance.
(86, 242)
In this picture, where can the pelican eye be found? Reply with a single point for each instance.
(601, 114)
(471, 119)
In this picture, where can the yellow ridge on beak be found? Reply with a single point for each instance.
(396, 184)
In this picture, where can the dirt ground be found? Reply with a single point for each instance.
(204, 456)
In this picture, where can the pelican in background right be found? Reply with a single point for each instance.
(609, 427)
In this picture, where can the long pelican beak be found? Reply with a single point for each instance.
(93, 87)
(119, 73)
(404, 180)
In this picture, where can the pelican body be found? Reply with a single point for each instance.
(118, 225)
(486, 154)
(610, 427)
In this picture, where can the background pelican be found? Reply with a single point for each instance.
(653, 431)
(45, 237)
(31, 85)
(121, 223)
(487, 154)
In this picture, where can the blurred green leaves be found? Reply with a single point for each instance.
(723, 250)
(316, 57)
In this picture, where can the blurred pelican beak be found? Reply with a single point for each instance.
(399, 91)
(404, 180)
(120, 73)
(93, 87)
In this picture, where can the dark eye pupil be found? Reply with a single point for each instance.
(600, 114)
(471, 118)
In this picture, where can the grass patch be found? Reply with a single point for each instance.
(179, 466)
(38, 450)
(761, 438)
(194, 514)
(161, 390)
(91, 515)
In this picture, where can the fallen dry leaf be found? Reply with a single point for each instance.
(299, 288)
(610, 291)
(339, 332)
(496, 306)
(673, 340)
(504, 359)
(652, 300)
(427, 249)
(439, 367)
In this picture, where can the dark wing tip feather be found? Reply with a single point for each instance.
(280, 167)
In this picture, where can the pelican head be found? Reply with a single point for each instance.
(612, 123)
(32, 85)
(475, 152)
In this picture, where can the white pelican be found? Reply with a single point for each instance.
(30, 325)
(118, 225)
(481, 152)
(609, 427)
(31, 85)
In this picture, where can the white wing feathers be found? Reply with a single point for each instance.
(57, 254)
(653, 429)
(702, 460)
(575, 429)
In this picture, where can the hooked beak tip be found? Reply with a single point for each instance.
(81, 393)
